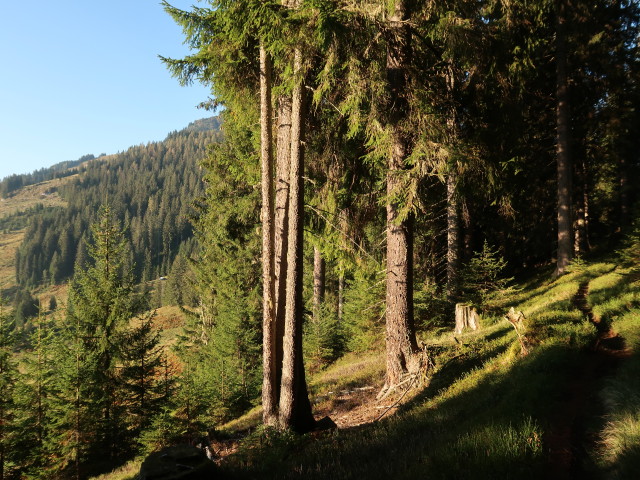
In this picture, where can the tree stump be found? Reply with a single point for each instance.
(515, 319)
(466, 317)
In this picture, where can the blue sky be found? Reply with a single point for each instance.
(81, 77)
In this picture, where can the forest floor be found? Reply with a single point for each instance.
(575, 426)
(561, 408)
(507, 412)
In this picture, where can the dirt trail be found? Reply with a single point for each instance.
(571, 438)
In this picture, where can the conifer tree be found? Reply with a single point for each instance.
(8, 374)
(73, 414)
(142, 383)
(33, 398)
(244, 34)
(93, 423)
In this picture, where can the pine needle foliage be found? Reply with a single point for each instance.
(107, 390)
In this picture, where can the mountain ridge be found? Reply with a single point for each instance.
(44, 224)
(13, 182)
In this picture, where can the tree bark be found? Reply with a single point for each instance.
(467, 242)
(283, 160)
(318, 282)
(453, 237)
(401, 344)
(563, 143)
(269, 414)
(295, 408)
(466, 317)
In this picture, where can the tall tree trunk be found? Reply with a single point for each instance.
(563, 143)
(269, 413)
(467, 243)
(295, 408)
(453, 237)
(400, 338)
(581, 244)
(453, 208)
(318, 281)
(623, 179)
(401, 342)
(283, 160)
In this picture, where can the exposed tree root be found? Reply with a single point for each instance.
(421, 366)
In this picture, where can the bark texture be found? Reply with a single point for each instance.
(466, 317)
(268, 299)
(401, 345)
(281, 216)
(565, 247)
(295, 408)
(453, 237)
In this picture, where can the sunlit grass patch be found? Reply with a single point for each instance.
(620, 446)
(487, 406)
(128, 471)
(352, 370)
(249, 420)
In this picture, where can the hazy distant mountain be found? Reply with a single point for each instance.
(150, 187)
(14, 182)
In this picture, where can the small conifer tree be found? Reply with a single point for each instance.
(483, 275)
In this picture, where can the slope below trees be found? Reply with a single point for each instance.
(485, 402)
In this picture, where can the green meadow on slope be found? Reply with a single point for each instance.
(488, 411)
(569, 407)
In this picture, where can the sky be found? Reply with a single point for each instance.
(83, 77)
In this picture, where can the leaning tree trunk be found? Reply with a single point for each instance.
(269, 414)
(401, 342)
(295, 408)
(562, 149)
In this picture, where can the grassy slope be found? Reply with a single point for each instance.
(32, 195)
(488, 411)
(22, 200)
(9, 243)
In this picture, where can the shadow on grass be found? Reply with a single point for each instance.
(469, 422)
(488, 424)
(456, 367)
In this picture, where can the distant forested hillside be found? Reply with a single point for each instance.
(150, 187)
(12, 183)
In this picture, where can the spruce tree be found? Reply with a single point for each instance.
(142, 383)
(33, 400)
(8, 374)
(94, 424)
